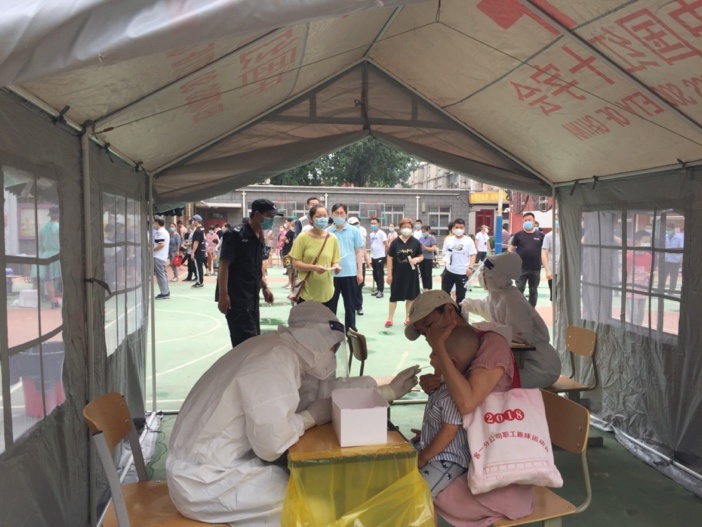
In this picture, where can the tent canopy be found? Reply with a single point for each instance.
(521, 94)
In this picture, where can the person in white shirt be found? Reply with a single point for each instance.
(379, 250)
(355, 222)
(161, 241)
(551, 256)
(459, 258)
(417, 229)
(482, 240)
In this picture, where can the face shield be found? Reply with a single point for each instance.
(317, 332)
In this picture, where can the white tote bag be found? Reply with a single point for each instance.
(509, 442)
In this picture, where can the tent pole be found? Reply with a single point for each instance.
(152, 302)
(539, 12)
(89, 291)
(554, 271)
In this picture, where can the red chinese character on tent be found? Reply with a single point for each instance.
(624, 51)
(505, 13)
(689, 16)
(265, 61)
(658, 38)
(587, 63)
(547, 85)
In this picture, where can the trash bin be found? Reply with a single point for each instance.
(27, 365)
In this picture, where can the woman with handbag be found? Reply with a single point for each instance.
(315, 254)
(435, 315)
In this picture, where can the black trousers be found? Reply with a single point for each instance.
(448, 280)
(533, 276)
(347, 287)
(191, 266)
(359, 292)
(378, 265)
(199, 268)
(425, 267)
(243, 324)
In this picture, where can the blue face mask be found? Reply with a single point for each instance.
(339, 221)
(374, 227)
(528, 225)
(417, 226)
(321, 223)
(555, 225)
(171, 229)
(267, 223)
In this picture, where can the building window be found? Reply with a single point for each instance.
(31, 329)
(631, 264)
(439, 218)
(393, 214)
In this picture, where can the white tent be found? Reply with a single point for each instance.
(598, 103)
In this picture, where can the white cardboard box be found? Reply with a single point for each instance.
(359, 416)
(28, 298)
(505, 331)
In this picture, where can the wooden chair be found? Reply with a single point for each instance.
(582, 342)
(147, 503)
(359, 348)
(568, 425)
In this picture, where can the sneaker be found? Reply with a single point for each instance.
(196, 285)
(359, 312)
(163, 296)
(379, 295)
(375, 293)
(174, 279)
(388, 323)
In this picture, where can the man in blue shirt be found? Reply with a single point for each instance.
(351, 248)
(671, 265)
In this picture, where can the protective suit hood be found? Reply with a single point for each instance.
(316, 328)
(497, 272)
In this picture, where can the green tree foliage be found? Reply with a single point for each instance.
(367, 163)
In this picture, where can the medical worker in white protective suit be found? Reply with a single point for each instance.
(506, 305)
(248, 409)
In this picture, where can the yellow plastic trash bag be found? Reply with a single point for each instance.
(405, 502)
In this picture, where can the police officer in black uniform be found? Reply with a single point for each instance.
(240, 277)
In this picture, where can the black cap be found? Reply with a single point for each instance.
(263, 206)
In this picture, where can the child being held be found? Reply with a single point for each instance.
(443, 446)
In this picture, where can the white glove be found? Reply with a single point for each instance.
(401, 384)
(317, 413)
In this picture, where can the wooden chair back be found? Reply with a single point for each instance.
(568, 422)
(110, 415)
(581, 341)
(359, 348)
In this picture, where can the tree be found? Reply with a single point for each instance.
(367, 163)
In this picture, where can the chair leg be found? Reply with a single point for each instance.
(553, 522)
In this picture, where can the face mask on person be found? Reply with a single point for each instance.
(267, 223)
(374, 227)
(417, 226)
(425, 234)
(338, 221)
(669, 232)
(321, 223)
(406, 231)
(171, 229)
(555, 224)
(458, 232)
(528, 225)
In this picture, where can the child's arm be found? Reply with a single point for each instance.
(438, 444)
